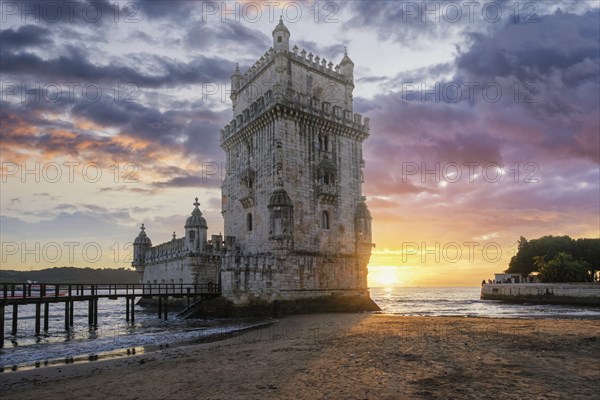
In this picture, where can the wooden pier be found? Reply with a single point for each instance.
(42, 294)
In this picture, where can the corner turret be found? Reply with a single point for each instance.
(281, 37)
(347, 70)
(141, 243)
(236, 82)
(347, 66)
(195, 230)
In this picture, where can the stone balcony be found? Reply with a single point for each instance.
(328, 194)
(247, 197)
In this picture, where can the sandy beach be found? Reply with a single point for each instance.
(349, 356)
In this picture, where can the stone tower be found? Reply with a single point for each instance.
(296, 223)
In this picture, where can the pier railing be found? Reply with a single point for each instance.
(24, 292)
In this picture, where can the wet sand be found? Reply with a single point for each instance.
(350, 356)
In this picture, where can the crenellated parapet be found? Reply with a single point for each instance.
(297, 101)
(262, 63)
(314, 62)
(317, 63)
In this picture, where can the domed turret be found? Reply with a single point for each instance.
(195, 230)
(281, 37)
(236, 81)
(347, 65)
(196, 220)
(347, 70)
(280, 198)
(141, 243)
(142, 238)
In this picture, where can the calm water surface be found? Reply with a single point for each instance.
(465, 302)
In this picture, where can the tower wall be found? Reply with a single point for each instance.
(293, 126)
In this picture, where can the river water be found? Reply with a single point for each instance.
(115, 337)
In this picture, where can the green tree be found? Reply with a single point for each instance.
(588, 250)
(548, 246)
(563, 268)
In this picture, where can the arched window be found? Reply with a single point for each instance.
(249, 222)
(192, 236)
(324, 220)
(278, 39)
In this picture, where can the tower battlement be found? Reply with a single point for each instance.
(298, 102)
(316, 63)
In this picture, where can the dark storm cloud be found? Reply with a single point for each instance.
(26, 128)
(560, 55)
(24, 37)
(400, 21)
(556, 135)
(52, 13)
(74, 66)
(203, 36)
(197, 181)
(167, 9)
(195, 134)
(526, 51)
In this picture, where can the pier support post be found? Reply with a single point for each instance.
(72, 313)
(166, 307)
(15, 317)
(159, 307)
(95, 312)
(132, 302)
(67, 317)
(2, 324)
(90, 312)
(38, 311)
(127, 309)
(46, 316)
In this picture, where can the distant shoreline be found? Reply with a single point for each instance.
(580, 294)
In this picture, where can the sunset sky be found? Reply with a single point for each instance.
(484, 124)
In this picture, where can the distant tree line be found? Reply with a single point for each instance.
(557, 258)
(70, 275)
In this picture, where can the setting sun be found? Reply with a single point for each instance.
(385, 277)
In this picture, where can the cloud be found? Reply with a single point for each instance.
(75, 66)
(24, 37)
(251, 42)
(552, 141)
(202, 180)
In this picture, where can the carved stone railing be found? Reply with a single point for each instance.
(170, 250)
(328, 194)
(247, 198)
